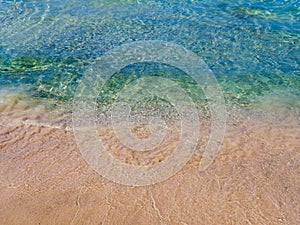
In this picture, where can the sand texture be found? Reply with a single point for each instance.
(254, 180)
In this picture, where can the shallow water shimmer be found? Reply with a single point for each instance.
(252, 47)
(149, 112)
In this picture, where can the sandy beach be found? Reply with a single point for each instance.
(107, 108)
(254, 180)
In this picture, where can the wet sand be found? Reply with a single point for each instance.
(253, 180)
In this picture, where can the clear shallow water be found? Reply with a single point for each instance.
(252, 47)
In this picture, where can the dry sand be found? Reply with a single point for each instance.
(254, 180)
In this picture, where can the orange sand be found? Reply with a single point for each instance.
(254, 180)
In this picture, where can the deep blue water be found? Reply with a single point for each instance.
(252, 47)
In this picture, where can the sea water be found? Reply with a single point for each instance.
(251, 47)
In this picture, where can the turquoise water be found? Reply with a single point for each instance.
(252, 47)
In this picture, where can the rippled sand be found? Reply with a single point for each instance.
(254, 180)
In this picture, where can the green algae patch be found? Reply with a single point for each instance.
(24, 63)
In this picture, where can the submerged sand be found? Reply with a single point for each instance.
(253, 180)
